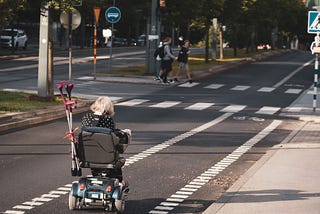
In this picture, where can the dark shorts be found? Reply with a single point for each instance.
(166, 65)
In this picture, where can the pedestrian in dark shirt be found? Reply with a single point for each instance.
(183, 61)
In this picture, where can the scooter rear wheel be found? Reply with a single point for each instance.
(72, 202)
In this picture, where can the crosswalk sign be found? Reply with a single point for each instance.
(314, 22)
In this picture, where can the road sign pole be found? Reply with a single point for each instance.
(96, 11)
(94, 51)
(113, 15)
(315, 83)
(70, 44)
(316, 71)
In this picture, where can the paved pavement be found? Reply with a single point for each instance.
(285, 180)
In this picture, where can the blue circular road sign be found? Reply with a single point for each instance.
(113, 14)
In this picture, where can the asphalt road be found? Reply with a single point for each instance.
(190, 141)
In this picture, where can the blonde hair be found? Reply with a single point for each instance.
(103, 106)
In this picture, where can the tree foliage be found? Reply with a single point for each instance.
(248, 22)
(9, 10)
(273, 22)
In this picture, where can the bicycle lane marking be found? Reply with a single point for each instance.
(281, 82)
(185, 192)
(38, 201)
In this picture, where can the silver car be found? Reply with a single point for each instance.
(20, 39)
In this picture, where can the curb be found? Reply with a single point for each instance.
(22, 119)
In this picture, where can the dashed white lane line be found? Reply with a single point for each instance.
(206, 176)
(38, 201)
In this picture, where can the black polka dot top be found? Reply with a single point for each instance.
(91, 119)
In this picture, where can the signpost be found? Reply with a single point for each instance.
(70, 21)
(113, 15)
(314, 27)
(96, 11)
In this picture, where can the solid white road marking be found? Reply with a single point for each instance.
(240, 88)
(221, 164)
(294, 109)
(293, 91)
(32, 203)
(233, 108)
(14, 212)
(268, 110)
(133, 102)
(199, 106)
(188, 85)
(214, 86)
(23, 207)
(266, 89)
(165, 104)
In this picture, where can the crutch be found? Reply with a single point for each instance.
(69, 105)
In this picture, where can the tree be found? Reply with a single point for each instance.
(250, 22)
(9, 10)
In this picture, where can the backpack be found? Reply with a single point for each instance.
(159, 52)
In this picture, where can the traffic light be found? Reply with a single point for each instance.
(162, 3)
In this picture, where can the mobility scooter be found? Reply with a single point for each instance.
(99, 149)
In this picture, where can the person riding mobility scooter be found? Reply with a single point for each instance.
(98, 147)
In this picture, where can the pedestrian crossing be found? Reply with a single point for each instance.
(215, 86)
(199, 106)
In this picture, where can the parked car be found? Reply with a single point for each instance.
(142, 40)
(118, 42)
(20, 39)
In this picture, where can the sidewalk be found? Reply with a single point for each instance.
(286, 179)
